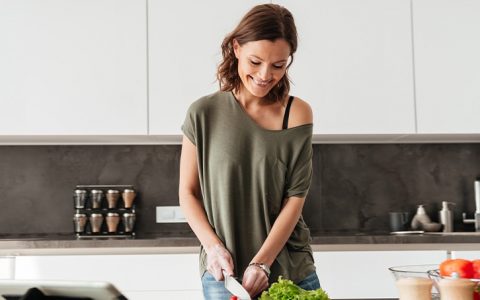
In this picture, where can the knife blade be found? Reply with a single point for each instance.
(234, 287)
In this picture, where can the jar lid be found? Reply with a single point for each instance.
(113, 191)
(112, 214)
(95, 215)
(96, 191)
(79, 215)
(80, 191)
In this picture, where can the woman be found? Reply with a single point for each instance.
(246, 162)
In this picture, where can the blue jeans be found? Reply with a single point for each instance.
(215, 290)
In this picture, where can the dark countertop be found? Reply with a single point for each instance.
(186, 242)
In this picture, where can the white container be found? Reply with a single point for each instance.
(456, 289)
(414, 288)
(446, 217)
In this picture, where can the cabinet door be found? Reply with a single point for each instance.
(136, 274)
(365, 274)
(470, 255)
(184, 50)
(7, 267)
(447, 65)
(170, 295)
(354, 65)
(73, 67)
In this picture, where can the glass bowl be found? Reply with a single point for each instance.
(435, 275)
(422, 271)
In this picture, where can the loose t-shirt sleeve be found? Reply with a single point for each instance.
(188, 126)
(299, 175)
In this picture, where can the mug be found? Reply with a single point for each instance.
(399, 221)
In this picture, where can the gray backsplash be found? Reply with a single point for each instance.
(354, 185)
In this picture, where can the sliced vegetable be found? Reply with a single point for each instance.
(286, 289)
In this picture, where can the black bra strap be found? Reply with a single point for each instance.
(287, 112)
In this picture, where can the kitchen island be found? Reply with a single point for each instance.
(165, 266)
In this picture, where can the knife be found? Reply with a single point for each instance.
(234, 287)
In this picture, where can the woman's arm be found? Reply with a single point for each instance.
(189, 192)
(255, 280)
(281, 231)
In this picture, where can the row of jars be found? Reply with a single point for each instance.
(95, 199)
(97, 220)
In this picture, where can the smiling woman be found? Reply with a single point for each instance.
(262, 64)
(268, 36)
(246, 162)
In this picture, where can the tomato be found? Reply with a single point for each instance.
(476, 296)
(234, 298)
(476, 268)
(463, 268)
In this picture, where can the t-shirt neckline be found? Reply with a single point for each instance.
(258, 126)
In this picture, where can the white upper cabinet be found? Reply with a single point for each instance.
(73, 67)
(184, 51)
(447, 65)
(354, 65)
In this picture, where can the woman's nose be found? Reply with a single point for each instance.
(265, 73)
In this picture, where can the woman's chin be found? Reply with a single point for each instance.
(259, 92)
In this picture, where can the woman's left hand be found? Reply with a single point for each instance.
(254, 280)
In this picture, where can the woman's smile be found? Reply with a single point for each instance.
(260, 83)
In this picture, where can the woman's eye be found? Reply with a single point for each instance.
(256, 63)
(278, 66)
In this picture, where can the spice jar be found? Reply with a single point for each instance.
(112, 221)
(112, 198)
(128, 196)
(96, 197)
(96, 221)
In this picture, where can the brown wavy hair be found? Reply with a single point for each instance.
(262, 22)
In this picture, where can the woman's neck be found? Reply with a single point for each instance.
(247, 99)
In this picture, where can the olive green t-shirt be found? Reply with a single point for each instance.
(245, 173)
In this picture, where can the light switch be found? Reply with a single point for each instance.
(170, 214)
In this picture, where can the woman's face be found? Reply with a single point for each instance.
(261, 64)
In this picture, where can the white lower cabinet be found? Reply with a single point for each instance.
(7, 267)
(365, 274)
(471, 255)
(170, 295)
(343, 274)
(139, 277)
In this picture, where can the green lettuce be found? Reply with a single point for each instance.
(285, 289)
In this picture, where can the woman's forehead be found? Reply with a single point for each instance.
(268, 50)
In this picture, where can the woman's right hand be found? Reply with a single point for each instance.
(218, 259)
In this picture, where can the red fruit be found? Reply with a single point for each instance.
(234, 298)
(476, 296)
(462, 267)
(476, 268)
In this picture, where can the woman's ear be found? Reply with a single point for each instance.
(236, 48)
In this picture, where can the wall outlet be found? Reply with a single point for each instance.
(170, 214)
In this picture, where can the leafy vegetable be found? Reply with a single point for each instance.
(285, 289)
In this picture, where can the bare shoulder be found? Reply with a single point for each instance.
(300, 113)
